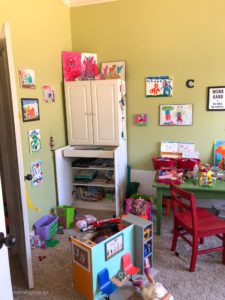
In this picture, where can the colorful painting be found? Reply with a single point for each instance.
(176, 115)
(219, 154)
(159, 86)
(27, 78)
(34, 140)
(77, 64)
(30, 109)
(114, 246)
(113, 70)
(48, 94)
(141, 119)
(81, 256)
(36, 172)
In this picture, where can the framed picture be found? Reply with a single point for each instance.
(81, 256)
(30, 109)
(216, 98)
(113, 70)
(113, 246)
(176, 115)
(159, 86)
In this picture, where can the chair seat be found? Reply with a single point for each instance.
(108, 288)
(132, 270)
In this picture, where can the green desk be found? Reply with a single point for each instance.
(215, 192)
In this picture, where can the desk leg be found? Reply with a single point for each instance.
(159, 211)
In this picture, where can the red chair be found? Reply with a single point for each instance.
(128, 267)
(197, 222)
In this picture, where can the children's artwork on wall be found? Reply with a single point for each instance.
(219, 154)
(36, 172)
(81, 256)
(113, 70)
(27, 78)
(114, 246)
(141, 119)
(48, 94)
(176, 115)
(34, 136)
(30, 109)
(178, 149)
(77, 64)
(159, 86)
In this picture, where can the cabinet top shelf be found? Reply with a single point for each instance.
(76, 151)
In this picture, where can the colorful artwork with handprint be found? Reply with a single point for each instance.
(113, 70)
(159, 86)
(34, 136)
(27, 78)
(79, 65)
(173, 115)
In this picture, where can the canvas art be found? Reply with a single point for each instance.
(141, 119)
(34, 136)
(113, 70)
(219, 154)
(48, 94)
(176, 115)
(77, 64)
(36, 172)
(30, 109)
(159, 86)
(27, 78)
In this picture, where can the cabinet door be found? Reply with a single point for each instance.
(105, 105)
(79, 113)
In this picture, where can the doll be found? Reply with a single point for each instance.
(155, 291)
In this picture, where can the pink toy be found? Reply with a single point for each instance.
(138, 207)
(84, 221)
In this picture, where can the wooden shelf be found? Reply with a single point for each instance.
(108, 205)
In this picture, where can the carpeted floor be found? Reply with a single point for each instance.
(53, 275)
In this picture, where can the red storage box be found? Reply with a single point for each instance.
(187, 163)
(167, 176)
(163, 162)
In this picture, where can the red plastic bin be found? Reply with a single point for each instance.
(163, 162)
(187, 163)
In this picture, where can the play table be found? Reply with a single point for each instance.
(215, 192)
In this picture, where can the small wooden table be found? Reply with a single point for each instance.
(215, 192)
(118, 282)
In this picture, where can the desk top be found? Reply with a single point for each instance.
(219, 186)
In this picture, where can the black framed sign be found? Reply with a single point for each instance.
(113, 246)
(216, 98)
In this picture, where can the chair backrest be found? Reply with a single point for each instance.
(103, 277)
(126, 261)
(184, 207)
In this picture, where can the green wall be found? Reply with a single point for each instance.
(182, 39)
(40, 30)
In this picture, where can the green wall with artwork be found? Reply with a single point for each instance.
(183, 39)
(40, 30)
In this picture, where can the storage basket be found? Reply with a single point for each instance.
(187, 163)
(66, 216)
(163, 162)
(46, 227)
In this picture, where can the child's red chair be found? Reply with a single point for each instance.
(167, 202)
(128, 267)
(197, 222)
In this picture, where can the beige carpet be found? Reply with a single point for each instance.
(53, 276)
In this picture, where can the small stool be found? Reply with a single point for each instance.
(167, 202)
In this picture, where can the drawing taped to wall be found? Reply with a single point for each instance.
(159, 86)
(141, 119)
(113, 70)
(48, 94)
(36, 172)
(27, 78)
(34, 140)
(176, 115)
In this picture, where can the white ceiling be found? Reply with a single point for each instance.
(73, 3)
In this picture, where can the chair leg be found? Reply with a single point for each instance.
(175, 236)
(194, 254)
(224, 248)
(201, 241)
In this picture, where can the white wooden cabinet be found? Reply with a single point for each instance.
(113, 160)
(95, 112)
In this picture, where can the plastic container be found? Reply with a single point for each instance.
(187, 163)
(163, 162)
(66, 216)
(46, 227)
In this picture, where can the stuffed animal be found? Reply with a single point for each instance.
(85, 221)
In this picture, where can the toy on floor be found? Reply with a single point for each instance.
(84, 221)
(102, 224)
(156, 290)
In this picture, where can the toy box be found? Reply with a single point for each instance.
(163, 162)
(46, 227)
(139, 207)
(168, 176)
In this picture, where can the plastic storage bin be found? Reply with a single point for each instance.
(46, 227)
(66, 216)
(163, 162)
(187, 163)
